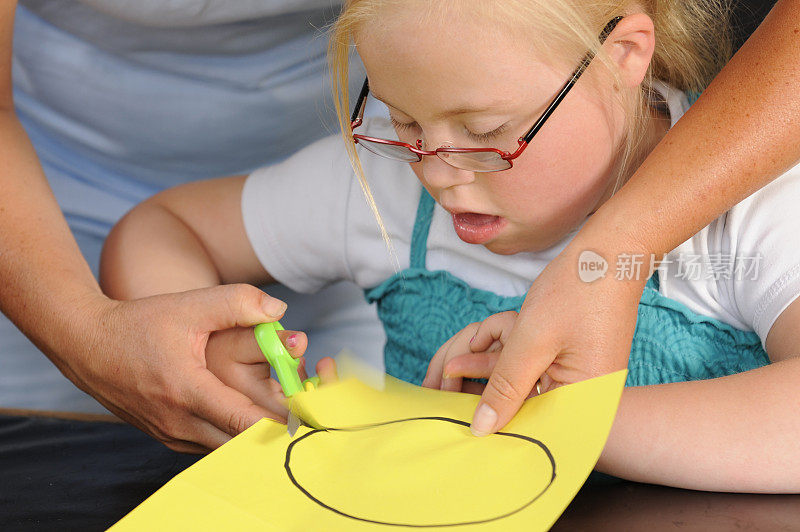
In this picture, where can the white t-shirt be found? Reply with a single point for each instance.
(310, 226)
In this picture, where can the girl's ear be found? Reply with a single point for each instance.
(633, 42)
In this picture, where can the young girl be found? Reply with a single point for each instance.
(511, 123)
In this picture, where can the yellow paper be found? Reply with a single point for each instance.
(400, 456)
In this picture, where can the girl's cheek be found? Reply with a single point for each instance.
(417, 169)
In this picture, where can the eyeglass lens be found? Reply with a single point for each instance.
(390, 151)
(481, 161)
(475, 161)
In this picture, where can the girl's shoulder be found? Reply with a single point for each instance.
(309, 224)
(744, 267)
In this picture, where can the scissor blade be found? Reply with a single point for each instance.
(292, 424)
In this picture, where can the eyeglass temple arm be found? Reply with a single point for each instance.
(358, 112)
(570, 83)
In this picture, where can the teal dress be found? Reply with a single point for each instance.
(421, 309)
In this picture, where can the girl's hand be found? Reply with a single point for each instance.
(326, 370)
(234, 358)
(472, 352)
(568, 331)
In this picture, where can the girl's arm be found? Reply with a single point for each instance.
(739, 136)
(187, 237)
(735, 433)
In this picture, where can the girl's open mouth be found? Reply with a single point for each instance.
(476, 228)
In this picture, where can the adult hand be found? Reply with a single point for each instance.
(146, 362)
(567, 331)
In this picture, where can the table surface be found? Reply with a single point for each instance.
(80, 472)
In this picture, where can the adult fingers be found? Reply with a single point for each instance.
(174, 426)
(203, 438)
(187, 447)
(548, 383)
(254, 382)
(228, 306)
(228, 410)
(514, 375)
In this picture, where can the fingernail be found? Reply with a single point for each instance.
(291, 341)
(274, 307)
(484, 421)
(473, 338)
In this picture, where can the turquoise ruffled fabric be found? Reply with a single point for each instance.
(421, 309)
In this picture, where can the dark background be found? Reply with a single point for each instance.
(747, 16)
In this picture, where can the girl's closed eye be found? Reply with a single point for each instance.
(403, 127)
(489, 135)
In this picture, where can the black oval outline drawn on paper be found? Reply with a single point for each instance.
(305, 492)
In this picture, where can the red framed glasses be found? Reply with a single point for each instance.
(472, 159)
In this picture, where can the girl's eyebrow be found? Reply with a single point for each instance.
(384, 100)
(444, 114)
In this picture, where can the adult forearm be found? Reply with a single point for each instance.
(736, 433)
(741, 134)
(47, 288)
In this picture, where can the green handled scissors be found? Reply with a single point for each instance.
(282, 363)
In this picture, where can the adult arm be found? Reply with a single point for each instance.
(144, 360)
(740, 135)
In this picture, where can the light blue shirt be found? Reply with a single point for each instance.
(122, 99)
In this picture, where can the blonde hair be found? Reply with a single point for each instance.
(692, 43)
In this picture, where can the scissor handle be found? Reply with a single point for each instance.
(282, 363)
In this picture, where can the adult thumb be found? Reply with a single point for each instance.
(234, 305)
(508, 387)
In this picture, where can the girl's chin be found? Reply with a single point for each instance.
(511, 242)
(501, 246)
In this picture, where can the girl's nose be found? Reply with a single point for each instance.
(441, 175)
